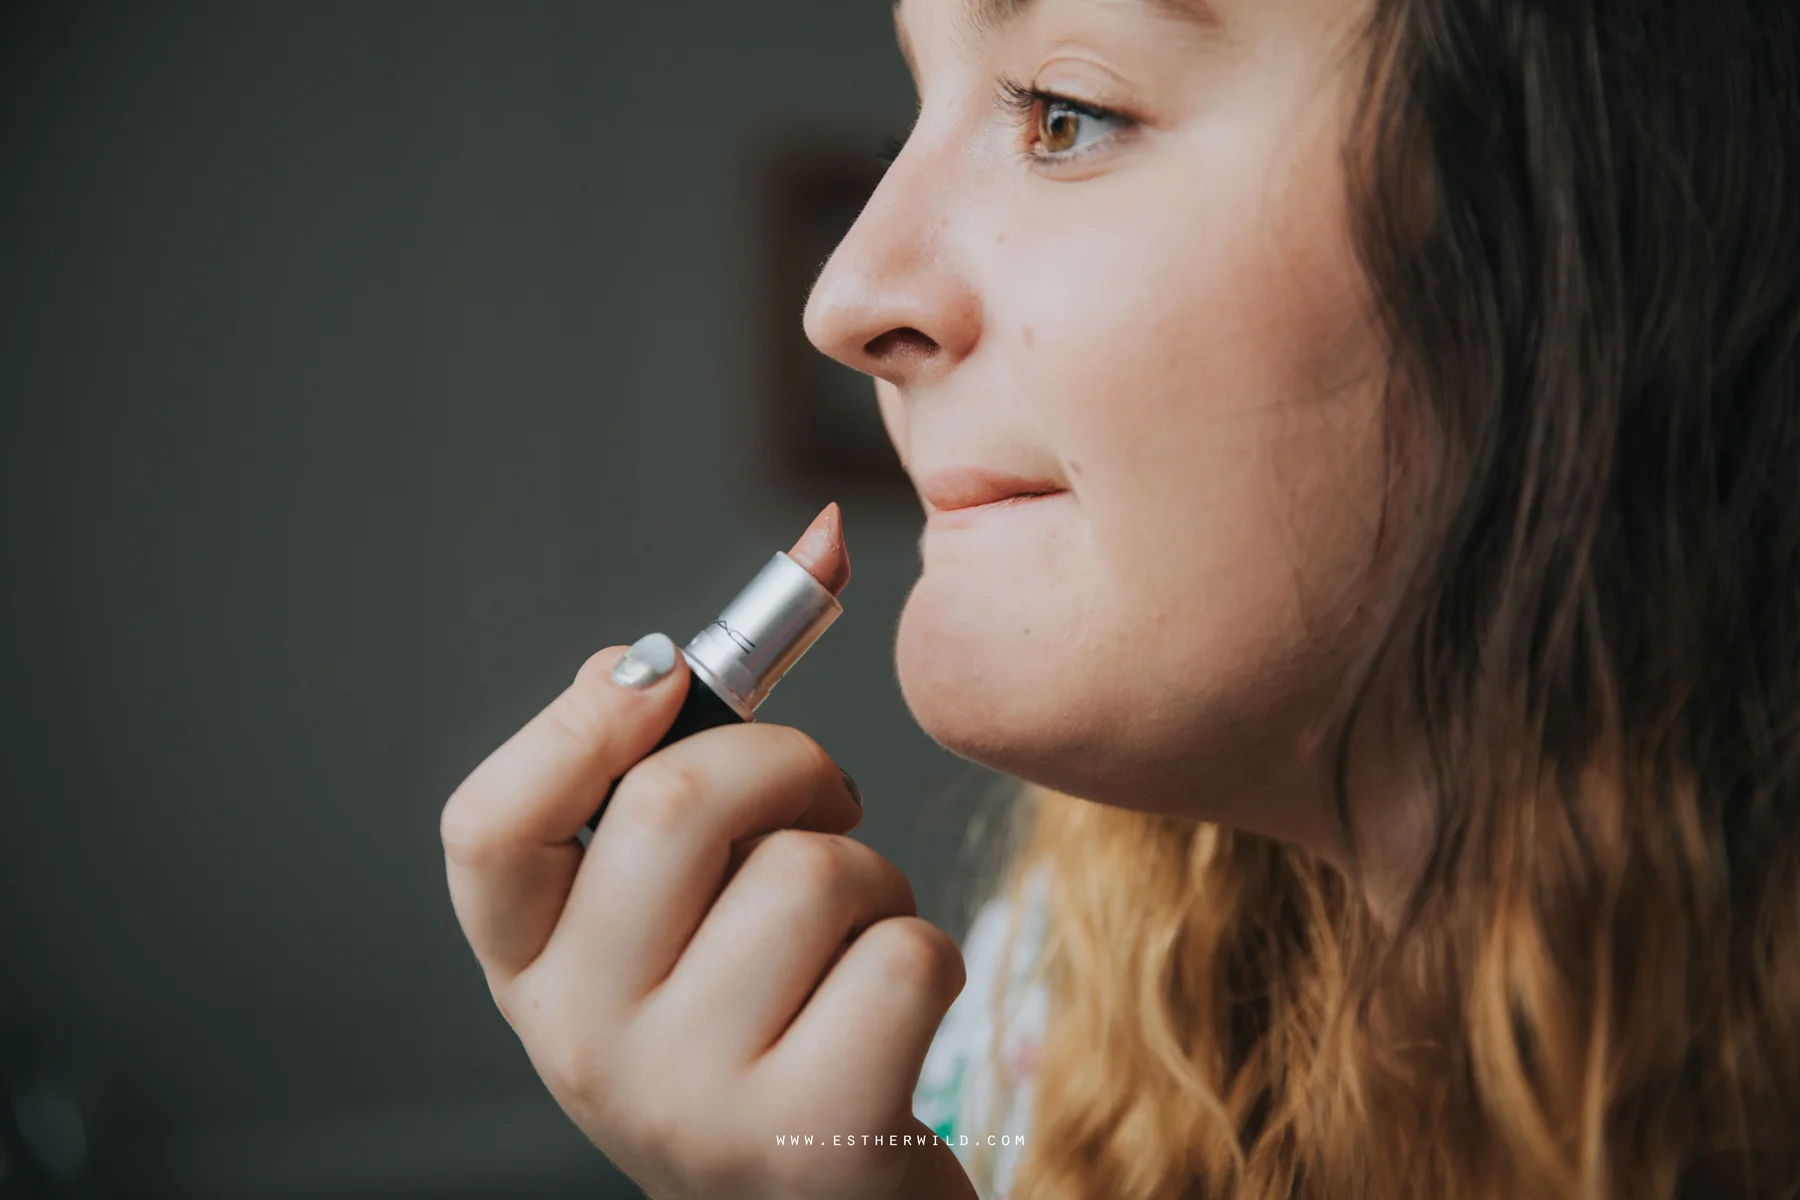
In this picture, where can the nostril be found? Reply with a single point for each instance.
(906, 342)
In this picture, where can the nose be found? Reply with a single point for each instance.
(894, 301)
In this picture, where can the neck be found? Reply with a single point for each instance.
(1391, 811)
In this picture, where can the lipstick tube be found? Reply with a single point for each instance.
(738, 659)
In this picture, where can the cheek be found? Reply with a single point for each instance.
(1209, 385)
(1218, 384)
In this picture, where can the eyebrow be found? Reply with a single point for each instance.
(984, 17)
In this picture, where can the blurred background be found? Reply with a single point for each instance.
(364, 367)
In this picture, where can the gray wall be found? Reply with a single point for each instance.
(366, 366)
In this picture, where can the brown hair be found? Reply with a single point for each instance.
(1581, 221)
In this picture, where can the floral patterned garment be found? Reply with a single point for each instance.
(958, 1086)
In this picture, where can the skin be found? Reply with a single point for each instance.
(1169, 321)
(1170, 326)
(721, 964)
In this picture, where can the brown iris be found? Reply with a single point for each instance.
(1058, 126)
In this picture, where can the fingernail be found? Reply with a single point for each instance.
(855, 792)
(649, 659)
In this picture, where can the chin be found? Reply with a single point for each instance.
(1048, 705)
(994, 692)
(959, 671)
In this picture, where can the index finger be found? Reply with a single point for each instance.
(509, 829)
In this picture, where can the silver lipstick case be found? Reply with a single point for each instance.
(779, 615)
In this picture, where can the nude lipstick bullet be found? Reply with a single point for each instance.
(738, 659)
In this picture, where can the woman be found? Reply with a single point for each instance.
(1396, 613)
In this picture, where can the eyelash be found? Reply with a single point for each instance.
(1023, 102)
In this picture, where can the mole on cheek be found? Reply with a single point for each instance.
(1028, 336)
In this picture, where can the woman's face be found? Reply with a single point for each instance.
(1113, 259)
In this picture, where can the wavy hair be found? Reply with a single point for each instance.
(1581, 224)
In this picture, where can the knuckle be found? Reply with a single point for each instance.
(917, 955)
(507, 1001)
(661, 1123)
(810, 759)
(893, 880)
(661, 795)
(655, 1130)
(581, 715)
(812, 862)
(883, 883)
(576, 1083)
(812, 754)
(572, 1071)
(467, 835)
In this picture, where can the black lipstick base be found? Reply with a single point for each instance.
(738, 659)
(701, 709)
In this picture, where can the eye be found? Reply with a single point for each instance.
(1060, 127)
(1064, 127)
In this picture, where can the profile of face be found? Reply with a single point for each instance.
(1113, 260)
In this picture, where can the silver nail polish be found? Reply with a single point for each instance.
(743, 654)
(649, 659)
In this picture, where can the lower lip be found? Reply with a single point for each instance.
(958, 518)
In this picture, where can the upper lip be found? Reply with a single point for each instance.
(966, 487)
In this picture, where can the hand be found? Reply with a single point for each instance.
(720, 966)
